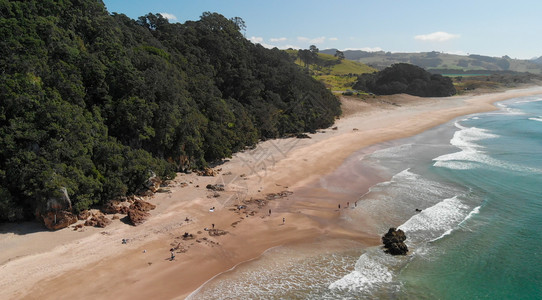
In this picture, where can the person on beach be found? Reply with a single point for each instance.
(172, 255)
(270, 211)
(339, 206)
(283, 220)
(347, 204)
(213, 225)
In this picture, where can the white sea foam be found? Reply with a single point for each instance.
(465, 139)
(539, 119)
(529, 99)
(473, 212)
(472, 154)
(392, 152)
(435, 220)
(509, 110)
(372, 268)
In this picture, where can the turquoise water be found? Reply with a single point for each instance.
(478, 182)
(497, 252)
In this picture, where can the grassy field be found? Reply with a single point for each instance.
(336, 77)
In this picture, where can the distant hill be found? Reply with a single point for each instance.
(337, 74)
(438, 62)
(537, 60)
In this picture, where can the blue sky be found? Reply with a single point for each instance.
(494, 28)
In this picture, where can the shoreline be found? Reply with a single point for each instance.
(141, 268)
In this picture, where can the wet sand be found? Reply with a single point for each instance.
(94, 264)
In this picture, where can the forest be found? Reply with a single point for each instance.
(93, 103)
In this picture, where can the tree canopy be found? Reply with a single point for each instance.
(96, 103)
(408, 79)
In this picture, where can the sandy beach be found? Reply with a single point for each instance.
(93, 263)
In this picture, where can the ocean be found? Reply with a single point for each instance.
(478, 183)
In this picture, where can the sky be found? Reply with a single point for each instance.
(493, 28)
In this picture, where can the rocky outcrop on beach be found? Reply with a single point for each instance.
(215, 187)
(138, 211)
(98, 220)
(208, 172)
(58, 220)
(394, 242)
(114, 208)
(138, 217)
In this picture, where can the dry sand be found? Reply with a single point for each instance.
(92, 263)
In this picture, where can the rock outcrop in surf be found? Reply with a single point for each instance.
(394, 242)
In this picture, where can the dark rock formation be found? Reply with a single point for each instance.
(215, 187)
(83, 215)
(142, 205)
(138, 211)
(208, 172)
(58, 220)
(98, 220)
(114, 208)
(394, 242)
(138, 217)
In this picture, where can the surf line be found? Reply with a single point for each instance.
(230, 269)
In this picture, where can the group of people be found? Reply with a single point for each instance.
(348, 204)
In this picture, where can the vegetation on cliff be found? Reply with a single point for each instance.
(94, 104)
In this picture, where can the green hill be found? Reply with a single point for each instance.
(443, 63)
(336, 74)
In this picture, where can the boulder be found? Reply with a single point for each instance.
(394, 242)
(137, 217)
(98, 220)
(141, 205)
(138, 211)
(83, 215)
(153, 183)
(114, 208)
(215, 187)
(110, 208)
(207, 172)
(58, 220)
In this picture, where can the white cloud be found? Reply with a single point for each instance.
(438, 36)
(317, 40)
(333, 39)
(170, 17)
(366, 49)
(256, 39)
(274, 40)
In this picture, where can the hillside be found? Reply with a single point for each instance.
(434, 61)
(94, 104)
(337, 74)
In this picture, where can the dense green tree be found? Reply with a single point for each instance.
(96, 103)
(406, 78)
